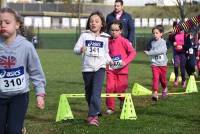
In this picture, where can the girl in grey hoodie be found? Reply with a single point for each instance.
(19, 63)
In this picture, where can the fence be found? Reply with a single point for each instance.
(66, 22)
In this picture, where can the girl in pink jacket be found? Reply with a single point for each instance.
(122, 53)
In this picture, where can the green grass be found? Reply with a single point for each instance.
(177, 115)
(66, 38)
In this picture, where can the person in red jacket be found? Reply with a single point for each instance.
(122, 53)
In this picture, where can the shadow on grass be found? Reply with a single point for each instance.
(177, 116)
(140, 62)
(38, 119)
(73, 121)
(69, 82)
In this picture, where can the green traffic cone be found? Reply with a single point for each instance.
(64, 111)
(128, 110)
(140, 90)
(191, 86)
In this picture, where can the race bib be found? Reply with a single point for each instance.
(12, 79)
(191, 51)
(117, 62)
(179, 47)
(94, 48)
(158, 58)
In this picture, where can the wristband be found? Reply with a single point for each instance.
(41, 95)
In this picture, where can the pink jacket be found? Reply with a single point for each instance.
(123, 48)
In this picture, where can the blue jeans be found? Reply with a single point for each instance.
(12, 113)
(93, 87)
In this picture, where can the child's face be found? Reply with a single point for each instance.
(8, 24)
(95, 23)
(157, 34)
(115, 31)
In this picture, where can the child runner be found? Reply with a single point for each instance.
(159, 60)
(19, 63)
(191, 52)
(93, 45)
(122, 53)
(179, 54)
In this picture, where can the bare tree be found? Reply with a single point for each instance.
(180, 4)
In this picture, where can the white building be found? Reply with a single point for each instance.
(126, 2)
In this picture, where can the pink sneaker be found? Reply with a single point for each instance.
(184, 84)
(89, 118)
(164, 93)
(93, 121)
(176, 83)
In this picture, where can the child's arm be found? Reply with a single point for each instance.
(131, 53)
(36, 75)
(107, 56)
(79, 47)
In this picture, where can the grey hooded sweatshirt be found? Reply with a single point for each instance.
(19, 63)
(158, 52)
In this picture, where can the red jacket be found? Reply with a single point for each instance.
(120, 46)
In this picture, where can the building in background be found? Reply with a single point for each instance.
(111, 2)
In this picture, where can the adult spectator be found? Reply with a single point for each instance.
(125, 18)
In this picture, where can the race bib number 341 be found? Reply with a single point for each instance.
(94, 48)
(12, 79)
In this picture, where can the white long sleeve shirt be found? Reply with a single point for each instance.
(96, 53)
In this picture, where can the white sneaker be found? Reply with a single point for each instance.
(109, 111)
(23, 130)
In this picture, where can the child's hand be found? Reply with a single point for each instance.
(146, 52)
(111, 63)
(123, 63)
(40, 102)
(83, 49)
(175, 43)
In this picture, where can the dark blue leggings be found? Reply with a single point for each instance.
(12, 113)
(93, 86)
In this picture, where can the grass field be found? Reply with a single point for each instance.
(178, 114)
(66, 38)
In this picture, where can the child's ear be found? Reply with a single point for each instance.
(17, 25)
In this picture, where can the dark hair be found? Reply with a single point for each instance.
(18, 18)
(121, 1)
(117, 22)
(98, 13)
(159, 27)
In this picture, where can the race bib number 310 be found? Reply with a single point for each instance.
(12, 79)
(94, 48)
